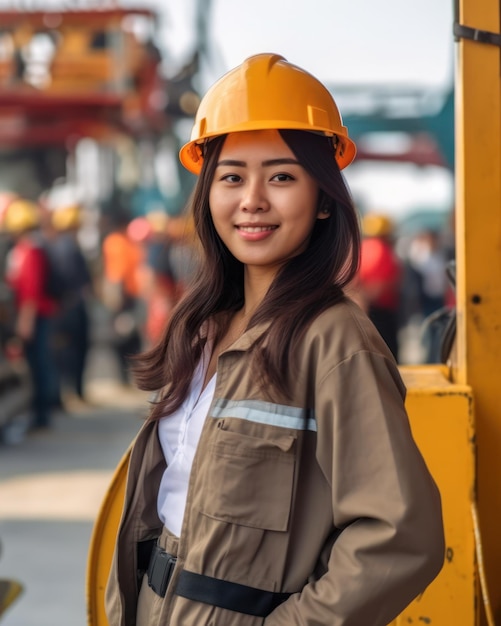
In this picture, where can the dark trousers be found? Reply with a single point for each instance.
(71, 346)
(40, 363)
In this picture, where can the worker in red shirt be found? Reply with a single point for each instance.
(27, 275)
(380, 276)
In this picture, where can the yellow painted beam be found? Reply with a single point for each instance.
(442, 421)
(102, 544)
(478, 236)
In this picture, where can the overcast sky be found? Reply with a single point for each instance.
(340, 41)
(396, 42)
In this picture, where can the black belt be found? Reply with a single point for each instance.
(160, 570)
(228, 595)
(221, 593)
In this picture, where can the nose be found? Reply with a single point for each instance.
(254, 198)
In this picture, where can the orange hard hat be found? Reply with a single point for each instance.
(266, 92)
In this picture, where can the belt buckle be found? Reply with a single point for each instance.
(160, 570)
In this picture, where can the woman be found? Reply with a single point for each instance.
(276, 480)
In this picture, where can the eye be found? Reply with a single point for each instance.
(231, 178)
(282, 177)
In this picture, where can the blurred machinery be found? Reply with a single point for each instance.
(77, 73)
(70, 75)
(423, 120)
(80, 92)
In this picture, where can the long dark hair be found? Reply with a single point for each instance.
(308, 284)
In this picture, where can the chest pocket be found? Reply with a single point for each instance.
(249, 480)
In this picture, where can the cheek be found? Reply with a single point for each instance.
(305, 213)
(216, 205)
(211, 201)
(213, 205)
(219, 219)
(306, 201)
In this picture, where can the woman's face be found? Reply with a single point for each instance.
(263, 203)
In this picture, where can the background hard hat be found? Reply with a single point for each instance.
(376, 225)
(266, 92)
(158, 221)
(21, 215)
(6, 197)
(66, 218)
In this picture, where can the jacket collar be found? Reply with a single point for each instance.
(246, 340)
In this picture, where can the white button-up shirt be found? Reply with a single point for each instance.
(179, 434)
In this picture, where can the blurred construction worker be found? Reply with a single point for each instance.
(380, 277)
(428, 258)
(122, 264)
(27, 270)
(164, 291)
(71, 325)
(183, 256)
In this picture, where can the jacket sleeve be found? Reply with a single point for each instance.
(383, 498)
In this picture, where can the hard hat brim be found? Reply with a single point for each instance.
(191, 157)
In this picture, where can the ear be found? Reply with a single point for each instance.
(324, 205)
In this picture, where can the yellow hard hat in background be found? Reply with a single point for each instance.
(6, 197)
(266, 92)
(158, 221)
(21, 215)
(376, 225)
(67, 217)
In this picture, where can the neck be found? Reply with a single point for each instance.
(256, 285)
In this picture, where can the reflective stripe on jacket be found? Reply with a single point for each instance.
(323, 495)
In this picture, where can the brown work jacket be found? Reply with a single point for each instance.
(324, 496)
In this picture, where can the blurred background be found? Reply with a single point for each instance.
(96, 99)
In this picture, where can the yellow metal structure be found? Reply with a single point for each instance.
(442, 420)
(9, 591)
(478, 198)
(85, 50)
(102, 544)
(455, 410)
(72, 73)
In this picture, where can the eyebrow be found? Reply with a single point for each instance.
(268, 163)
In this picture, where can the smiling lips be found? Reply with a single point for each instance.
(248, 228)
(255, 232)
